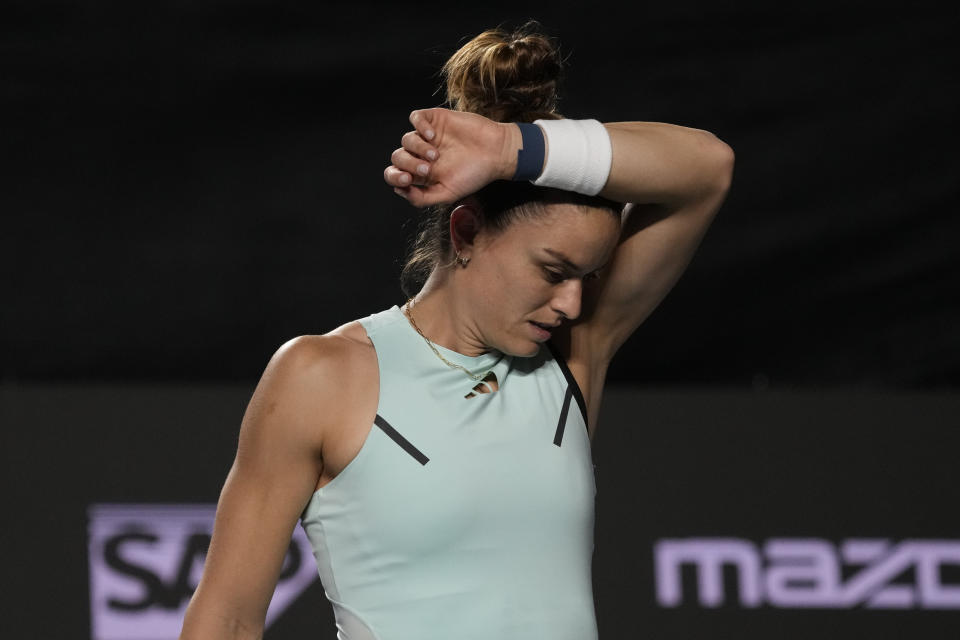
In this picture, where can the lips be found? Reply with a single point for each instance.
(542, 331)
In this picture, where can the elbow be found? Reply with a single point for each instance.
(724, 162)
(717, 160)
(207, 626)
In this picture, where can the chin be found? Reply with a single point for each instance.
(529, 351)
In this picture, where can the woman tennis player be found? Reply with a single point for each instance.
(437, 453)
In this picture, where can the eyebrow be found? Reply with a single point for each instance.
(563, 258)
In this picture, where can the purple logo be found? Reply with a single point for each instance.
(146, 561)
(808, 572)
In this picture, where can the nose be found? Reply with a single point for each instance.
(567, 298)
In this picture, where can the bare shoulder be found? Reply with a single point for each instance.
(352, 354)
(352, 331)
(343, 348)
(346, 349)
(309, 361)
(311, 381)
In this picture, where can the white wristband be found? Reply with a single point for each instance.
(579, 156)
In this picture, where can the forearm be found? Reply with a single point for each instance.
(659, 163)
(653, 162)
(202, 623)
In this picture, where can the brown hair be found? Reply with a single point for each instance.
(507, 77)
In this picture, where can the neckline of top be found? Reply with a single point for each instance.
(474, 363)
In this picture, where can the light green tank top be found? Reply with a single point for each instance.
(461, 518)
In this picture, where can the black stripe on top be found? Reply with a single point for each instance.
(400, 440)
(558, 438)
(577, 393)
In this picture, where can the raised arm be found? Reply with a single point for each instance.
(275, 472)
(673, 178)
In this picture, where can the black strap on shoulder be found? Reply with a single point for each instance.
(577, 393)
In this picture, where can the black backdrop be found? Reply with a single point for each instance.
(187, 185)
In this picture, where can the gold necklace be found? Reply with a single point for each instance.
(454, 365)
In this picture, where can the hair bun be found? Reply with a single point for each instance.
(507, 77)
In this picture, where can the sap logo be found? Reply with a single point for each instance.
(807, 572)
(145, 563)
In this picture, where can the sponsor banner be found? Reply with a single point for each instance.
(791, 573)
(146, 561)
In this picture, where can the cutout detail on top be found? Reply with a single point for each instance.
(489, 384)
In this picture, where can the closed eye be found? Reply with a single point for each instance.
(553, 275)
(556, 277)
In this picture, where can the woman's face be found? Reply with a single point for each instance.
(534, 272)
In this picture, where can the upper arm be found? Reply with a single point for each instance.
(657, 242)
(271, 480)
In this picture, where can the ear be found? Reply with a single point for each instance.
(466, 220)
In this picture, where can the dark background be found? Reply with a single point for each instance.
(190, 184)
(669, 464)
(187, 185)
